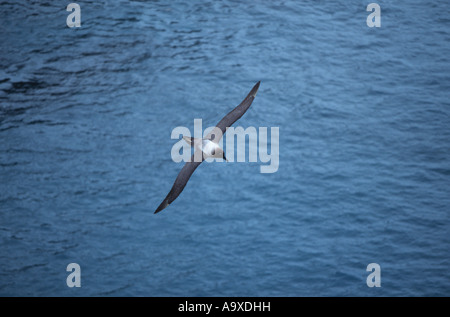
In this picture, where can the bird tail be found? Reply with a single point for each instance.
(190, 140)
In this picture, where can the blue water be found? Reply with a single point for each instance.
(86, 116)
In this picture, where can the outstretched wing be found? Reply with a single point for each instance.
(216, 134)
(180, 182)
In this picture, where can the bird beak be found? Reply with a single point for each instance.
(224, 157)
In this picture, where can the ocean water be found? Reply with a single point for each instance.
(86, 116)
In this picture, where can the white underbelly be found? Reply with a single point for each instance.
(209, 148)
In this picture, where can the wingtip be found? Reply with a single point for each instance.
(163, 205)
(255, 89)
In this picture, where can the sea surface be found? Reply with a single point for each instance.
(86, 116)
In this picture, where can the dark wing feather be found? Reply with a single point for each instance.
(233, 116)
(180, 182)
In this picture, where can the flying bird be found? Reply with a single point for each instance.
(207, 147)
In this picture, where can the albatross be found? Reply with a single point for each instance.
(207, 147)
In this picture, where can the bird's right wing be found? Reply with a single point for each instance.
(181, 180)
